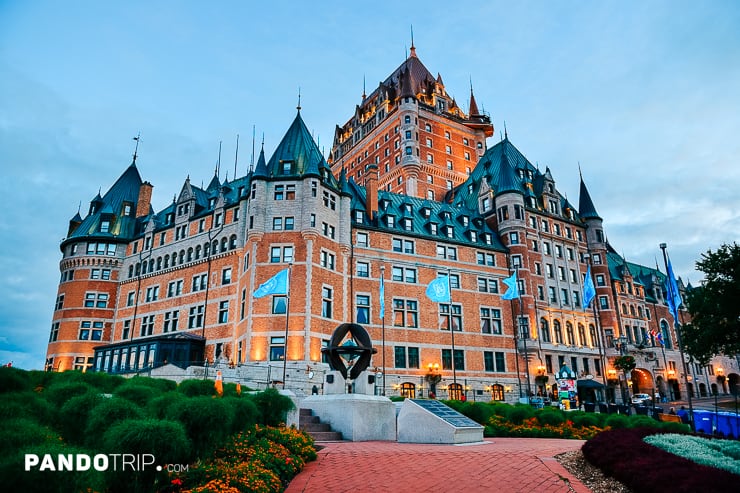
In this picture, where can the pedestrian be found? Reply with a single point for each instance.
(672, 411)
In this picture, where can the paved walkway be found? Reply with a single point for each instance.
(499, 464)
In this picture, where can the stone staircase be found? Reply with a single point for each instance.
(321, 432)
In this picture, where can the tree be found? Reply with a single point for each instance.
(715, 306)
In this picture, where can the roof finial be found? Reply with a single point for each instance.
(413, 48)
(363, 87)
(218, 163)
(79, 206)
(579, 170)
(136, 149)
(236, 155)
(299, 100)
(506, 134)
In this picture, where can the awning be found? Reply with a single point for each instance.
(589, 384)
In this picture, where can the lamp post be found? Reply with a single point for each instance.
(621, 345)
(433, 377)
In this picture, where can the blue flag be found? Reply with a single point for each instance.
(674, 297)
(277, 284)
(439, 290)
(513, 288)
(382, 299)
(589, 290)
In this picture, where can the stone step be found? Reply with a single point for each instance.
(326, 436)
(308, 419)
(312, 427)
(305, 412)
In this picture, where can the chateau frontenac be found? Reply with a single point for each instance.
(413, 189)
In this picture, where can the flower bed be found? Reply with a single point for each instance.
(625, 456)
(722, 454)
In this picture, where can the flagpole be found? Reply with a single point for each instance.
(677, 327)
(525, 336)
(287, 318)
(597, 324)
(452, 333)
(382, 329)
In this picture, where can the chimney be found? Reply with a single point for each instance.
(145, 199)
(371, 190)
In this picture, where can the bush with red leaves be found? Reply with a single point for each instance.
(623, 455)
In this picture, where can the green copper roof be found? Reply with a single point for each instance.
(585, 204)
(425, 218)
(297, 155)
(105, 219)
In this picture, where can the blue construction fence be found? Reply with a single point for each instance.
(714, 423)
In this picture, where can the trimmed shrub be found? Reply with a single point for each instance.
(166, 440)
(273, 406)
(160, 406)
(552, 416)
(520, 412)
(72, 417)
(19, 433)
(583, 420)
(643, 422)
(245, 412)
(207, 421)
(13, 380)
(60, 392)
(26, 405)
(192, 387)
(137, 393)
(616, 421)
(106, 414)
(161, 384)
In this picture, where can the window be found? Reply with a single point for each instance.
(200, 282)
(277, 348)
(449, 253)
(281, 254)
(363, 308)
(217, 220)
(363, 269)
(544, 330)
(223, 312)
(570, 335)
(94, 273)
(330, 200)
(559, 251)
(447, 359)
(54, 335)
(485, 258)
(226, 276)
(277, 223)
(99, 300)
(514, 238)
(363, 239)
(403, 274)
(490, 320)
(558, 331)
(400, 357)
(327, 260)
(600, 280)
(60, 302)
(174, 288)
(327, 230)
(488, 361)
(603, 302)
(147, 325)
(446, 319)
(170, 321)
(279, 305)
(326, 302)
(405, 246)
(405, 313)
(487, 285)
(195, 318)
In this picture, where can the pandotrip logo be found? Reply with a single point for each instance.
(97, 462)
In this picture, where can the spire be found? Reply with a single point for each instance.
(473, 105)
(297, 153)
(136, 149)
(261, 169)
(405, 79)
(508, 181)
(364, 96)
(586, 207)
(413, 48)
(299, 100)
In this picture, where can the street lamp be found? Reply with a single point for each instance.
(433, 377)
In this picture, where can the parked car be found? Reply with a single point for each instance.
(641, 399)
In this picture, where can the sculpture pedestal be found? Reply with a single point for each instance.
(358, 417)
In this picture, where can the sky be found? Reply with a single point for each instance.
(645, 96)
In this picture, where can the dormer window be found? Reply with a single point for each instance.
(286, 167)
(359, 216)
(426, 212)
(169, 218)
(465, 220)
(408, 224)
(211, 202)
(408, 208)
(390, 221)
(473, 236)
(126, 209)
(105, 226)
(433, 228)
(450, 232)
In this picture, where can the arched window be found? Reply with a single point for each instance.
(570, 334)
(408, 390)
(667, 341)
(632, 310)
(224, 244)
(497, 392)
(558, 331)
(232, 242)
(181, 260)
(206, 249)
(544, 330)
(214, 247)
(197, 252)
(190, 254)
(455, 391)
(594, 339)
(166, 261)
(624, 308)
(159, 263)
(582, 335)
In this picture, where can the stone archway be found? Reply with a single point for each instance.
(642, 382)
